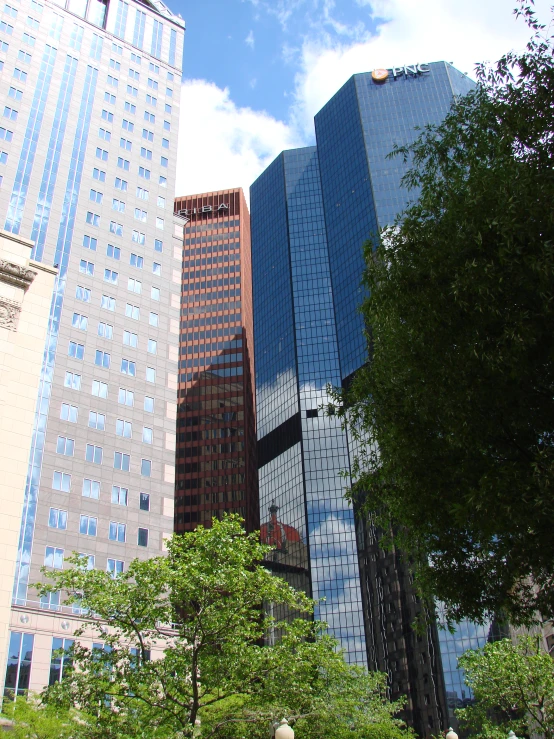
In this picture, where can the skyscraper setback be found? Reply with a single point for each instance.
(216, 436)
(89, 128)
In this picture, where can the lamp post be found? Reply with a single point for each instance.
(451, 734)
(283, 731)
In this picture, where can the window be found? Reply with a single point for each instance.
(77, 351)
(72, 381)
(142, 193)
(117, 531)
(136, 58)
(155, 293)
(167, 125)
(105, 330)
(153, 84)
(88, 560)
(87, 268)
(6, 28)
(57, 519)
(95, 196)
(10, 113)
(61, 481)
(96, 421)
(149, 117)
(109, 98)
(114, 64)
(120, 496)
(123, 163)
(118, 49)
(148, 135)
(107, 116)
(138, 237)
(14, 93)
(152, 346)
(126, 397)
(130, 339)
(144, 502)
(118, 205)
(5, 134)
(89, 242)
(151, 100)
(170, 76)
(161, 202)
(10, 11)
(91, 488)
(101, 154)
(157, 268)
(169, 92)
(113, 251)
(88, 525)
(153, 67)
(120, 184)
(135, 286)
(115, 567)
(158, 245)
(132, 311)
(33, 22)
(3, 157)
(133, 74)
(19, 74)
(104, 134)
(116, 228)
(153, 319)
(121, 461)
(125, 144)
(69, 412)
(53, 558)
(128, 367)
(167, 108)
(79, 321)
(107, 302)
(147, 435)
(102, 359)
(148, 404)
(113, 81)
(144, 173)
(100, 389)
(83, 293)
(142, 537)
(136, 261)
(150, 374)
(111, 276)
(99, 175)
(130, 107)
(141, 215)
(163, 161)
(127, 125)
(160, 223)
(132, 91)
(65, 446)
(124, 428)
(22, 56)
(93, 454)
(146, 153)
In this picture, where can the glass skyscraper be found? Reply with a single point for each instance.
(311, 211)
(89, 134)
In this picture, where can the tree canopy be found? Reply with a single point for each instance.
(180, 650)
(454, 410)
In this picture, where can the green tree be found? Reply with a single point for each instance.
(454, 410)
(182, 647)
(513, 686)
(31, 719)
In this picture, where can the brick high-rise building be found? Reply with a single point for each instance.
(216, 428)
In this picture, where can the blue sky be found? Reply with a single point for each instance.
(256, 71)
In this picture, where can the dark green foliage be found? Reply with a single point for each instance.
(456, 405)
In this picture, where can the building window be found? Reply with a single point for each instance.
(130, 107)
(115, 567)
(120, 184)
(118, 205)
(144, 173)
(142, 193)
(101, 154)
(135, 286)
(153, 319)
(100, 389)
(152, 346)
(157, 269)
(69, 412)
(88, 525)
(96, 420)
(123, 428)
(121, 461)
(91, 488)
(107, 302)
(65, 446)
(147, 435)
(88, 561)
(142, 537)
(116, 228)
(148, 135)
(103, 133)
(57, 519)
(146, 467)
(149, 117)
(99, 174)
(117, 531)
(61, 481)
(53, 557)
(130, 339)
(79, 321)
(83, 293)
(102, 359)
(89, 242)
(126, 144)
(18, 669)
(50, 601)
(105, 330)
(72, 381)
(59, 660)
(128, 367)
(155, 293)
(160, 223)
(95, 196)
(107, 116)
(136, 261)
(126, 397)
(86, 268)
(158, 245)
(144, 502)
(148, 404)
(150, 374)
(113, 251)
(120, 496)
(93, 219)
(93, 454)
(132, 311)
(138, 237)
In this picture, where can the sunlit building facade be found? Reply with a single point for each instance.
(90, 111)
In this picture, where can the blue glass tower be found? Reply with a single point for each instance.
(312, 210)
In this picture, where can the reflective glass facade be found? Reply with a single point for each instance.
(312, 210)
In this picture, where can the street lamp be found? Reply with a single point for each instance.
(283, 731)
(451, 734)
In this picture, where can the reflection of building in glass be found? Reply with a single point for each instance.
(216, 437)
(312, 210)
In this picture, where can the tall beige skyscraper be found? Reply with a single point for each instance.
(88, 133)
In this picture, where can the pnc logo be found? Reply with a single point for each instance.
(379, 75)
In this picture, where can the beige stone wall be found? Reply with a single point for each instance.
(25, 296)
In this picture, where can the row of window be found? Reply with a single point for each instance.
(91, 489)
(97, 421)
(105, 330)
(114, 252)
(54, 556)
(135, 75)
(126, 397)
(119, 205)
(137, 59)
(103, 359)
(94, 454)
(109, 303)
(120, 184)
(133, 285)
(151, 100)
(88, 525)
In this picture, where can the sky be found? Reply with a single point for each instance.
(255, 72)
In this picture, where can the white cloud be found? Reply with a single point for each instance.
(221, 145)
(249, 40)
